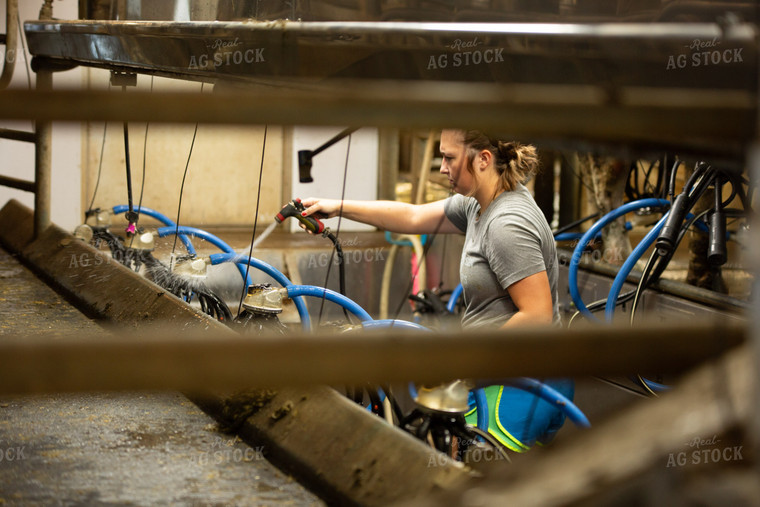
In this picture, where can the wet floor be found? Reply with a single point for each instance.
(149, 448)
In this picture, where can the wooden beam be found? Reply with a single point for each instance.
(171, 358)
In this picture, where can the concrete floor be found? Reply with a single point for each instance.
(150, 448)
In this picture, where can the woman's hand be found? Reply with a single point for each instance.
(321, 208)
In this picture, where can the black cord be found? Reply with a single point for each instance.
(255, 221)
(337, 235)
(131, 212)
(425, 250)
(100, 166)
(142, 181)
(145, 151)
(621, 387)
(182, 186)
(575, 224)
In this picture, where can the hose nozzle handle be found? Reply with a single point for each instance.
(666, 241)
(294, 209)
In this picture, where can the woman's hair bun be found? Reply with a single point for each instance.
(507, 151)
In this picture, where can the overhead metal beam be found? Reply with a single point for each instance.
(611, 54)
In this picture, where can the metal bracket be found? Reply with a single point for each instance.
(123, 78)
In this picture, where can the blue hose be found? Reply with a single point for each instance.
(574, 236)
(455, 295)
(481, 404)
(330, 295)
(552, 396)
(403, 242)
(394, 323)
(123, 208)
(627, 267)
(270, 270)
(207, 236)
(588, 235)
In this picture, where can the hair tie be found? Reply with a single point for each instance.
(508, 151)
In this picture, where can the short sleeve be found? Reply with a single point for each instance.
(513, 249)
(455, 208)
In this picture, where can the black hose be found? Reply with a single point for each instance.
(131, 215)
(341, 269)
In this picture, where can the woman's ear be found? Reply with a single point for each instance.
(484, 159)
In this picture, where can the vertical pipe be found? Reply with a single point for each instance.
(11, 43)
(42, 159)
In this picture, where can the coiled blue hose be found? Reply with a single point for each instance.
(588, 235)
(123, 208)
(330, 295)
(270, 270)
(207, 236)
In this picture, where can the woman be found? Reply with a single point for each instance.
(509, 267)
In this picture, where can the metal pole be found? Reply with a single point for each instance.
(42, 160)
(11, 43)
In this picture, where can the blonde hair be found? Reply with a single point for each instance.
(515, 162)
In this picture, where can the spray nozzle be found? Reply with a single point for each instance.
(295, 209)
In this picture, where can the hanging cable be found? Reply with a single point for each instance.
(415, 271)
(145, 151)
(336, 241)
(182, 185)
(142, 181)
(100, 166)
(255, 220)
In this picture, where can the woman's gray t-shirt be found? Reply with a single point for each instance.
(507, 243)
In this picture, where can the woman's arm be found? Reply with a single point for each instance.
(533, 297)
(387, 215)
